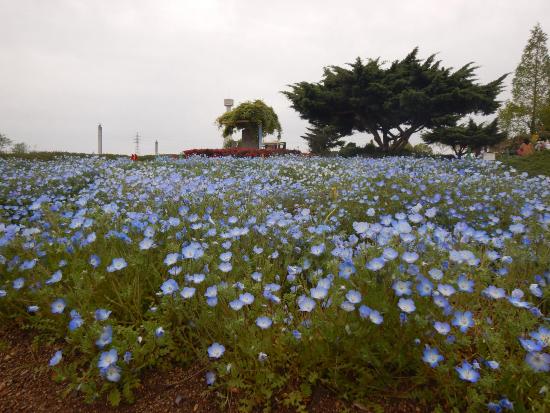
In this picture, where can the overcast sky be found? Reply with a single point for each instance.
(163, 67)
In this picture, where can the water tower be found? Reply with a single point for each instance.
(228, 103)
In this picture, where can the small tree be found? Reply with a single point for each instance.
(321, 139)
(392, 102)
(20, 147)
(471, 136)
(5, 142)
(247, 117)
(530, 87)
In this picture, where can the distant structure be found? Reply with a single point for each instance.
(228, 103)
(156, 148)
(99, 139)
(136, 141)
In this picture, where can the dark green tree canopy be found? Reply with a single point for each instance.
(321, 139)
(393, 102)
(249, 115)
(462, 137)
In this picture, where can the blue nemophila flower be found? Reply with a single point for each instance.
(146, 243)
(361, 227)
(95, 261)
(226, 256)
(246, 298)
(187, 292)
(56, 277)
(225, 266)
(442, 327)
(389, 254)
(18, 283)
(347, 306)
(535, 290)
(494, 292)
(211, 291)
(467, 372)
(446, 289)
(305, 304)
(192, 251)
(75, 323)
(117, 264)
(171, 258)
(431, 356)
(506, 404)
(256, 276)
(375, 264)
(542, 335)
(353, 296)
(216, 350)
(106, 337)
(33, 308)
(402, 288)
(56, 358)
(424, 287)
(530, 345)
(493, 364)
(107, 358)
(169, 287)
(236, 304)
(159, 332)
(464, 284)
(210, 378)
(364, 311)
(127, 357)
(346, 269)
(409, 257)
(263, 322)
(375, 317)
(463, 320)
(406, 305)
(317, 250)
(58, 306)
(436, 274)
(539, 362)
(318, 293)
(111, 373)
(102, 314)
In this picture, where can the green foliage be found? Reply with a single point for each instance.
(20, 148)
(530, 88)
(536, 164)
(5, 142)
(393, 102)
(321, 139)
(249, 115)
(470, 136)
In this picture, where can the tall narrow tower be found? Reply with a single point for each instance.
(156, 148)
(228, 103)
(99, 139)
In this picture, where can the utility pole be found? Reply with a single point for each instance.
(99, 139)
(136, 141)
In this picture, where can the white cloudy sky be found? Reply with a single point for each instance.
(163, 67)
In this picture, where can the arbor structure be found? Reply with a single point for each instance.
(530, 88)
(392, 102)
(464, 137)
(253, 119)
(321, 139)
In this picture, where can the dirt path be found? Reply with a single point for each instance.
(26, 385)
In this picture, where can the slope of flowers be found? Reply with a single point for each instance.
(411, 278)
(239, 152)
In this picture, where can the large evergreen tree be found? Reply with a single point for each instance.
(5, 142)
(321, 139)
(530, 87)
(464, 137)
(392, 102)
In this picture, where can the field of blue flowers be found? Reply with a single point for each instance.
(419, 279)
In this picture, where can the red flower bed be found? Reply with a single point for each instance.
(239, 152)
